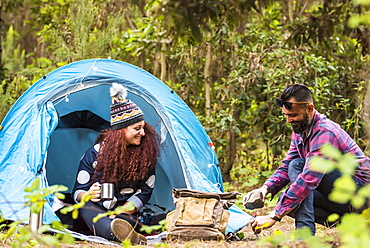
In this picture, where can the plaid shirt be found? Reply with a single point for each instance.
(322, 131)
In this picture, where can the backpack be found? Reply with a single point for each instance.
(199, 215)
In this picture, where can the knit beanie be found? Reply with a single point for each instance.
(123, 112)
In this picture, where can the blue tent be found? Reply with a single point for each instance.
(49, 128)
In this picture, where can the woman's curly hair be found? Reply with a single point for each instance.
(116, 161)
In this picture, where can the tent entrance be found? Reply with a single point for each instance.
(75, 133)
(82, 117)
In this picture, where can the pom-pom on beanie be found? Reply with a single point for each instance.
(123, 112)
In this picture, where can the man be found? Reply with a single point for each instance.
(306, 198)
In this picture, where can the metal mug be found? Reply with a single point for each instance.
(107, 191)
(36, 220)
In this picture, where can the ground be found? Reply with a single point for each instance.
(250, 240)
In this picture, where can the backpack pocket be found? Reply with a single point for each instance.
(197, 211)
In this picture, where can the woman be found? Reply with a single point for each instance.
(125, 156)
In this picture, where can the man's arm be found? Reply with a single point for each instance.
(280, 178)
(308, 180)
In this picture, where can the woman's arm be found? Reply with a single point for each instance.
(145, 189)
(84, 176)
(131, 209)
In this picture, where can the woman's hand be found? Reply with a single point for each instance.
(95, 192)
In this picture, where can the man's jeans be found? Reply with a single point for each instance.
(317, 207)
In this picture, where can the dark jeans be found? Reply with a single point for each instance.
(102, 226)
(317, 207)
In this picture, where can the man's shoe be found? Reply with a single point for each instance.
(123, 230)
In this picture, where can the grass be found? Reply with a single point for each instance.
(249, 240)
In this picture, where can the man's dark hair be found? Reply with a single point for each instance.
(297, 91)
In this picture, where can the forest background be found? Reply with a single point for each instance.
(227, 59)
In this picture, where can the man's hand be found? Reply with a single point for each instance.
(255, 198)
(261, 222)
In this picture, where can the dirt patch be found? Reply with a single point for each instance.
(249, 240)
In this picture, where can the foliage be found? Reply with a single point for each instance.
(75, 207)
(36, 196)
(162, 226)
(353, 229)
(252, 59)
(190, 19)
(299, 235)
(19, 235)
(5, 102)
(345, 189)
(360, 19)
(82, 34)
(129, 207)
(256, 48)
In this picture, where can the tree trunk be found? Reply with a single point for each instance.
(1, 40)
(207, 80)
(230, 155)
(290, 10)
(231, 147)
(366, 113)
(163, 65)
(156, 65)
(142, 60)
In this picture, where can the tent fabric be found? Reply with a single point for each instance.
(51, 125)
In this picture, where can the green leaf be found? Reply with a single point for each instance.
(68, 239)
(58, 225)
(150, 229)
(11, 231)
(68, 209)
(85, 197)
(333, 217)
(75, 214)
(300, 233)
(344, 188)
(351, 224)
(347, 164)
(51, 241)
(99, 216)
(358, 201)
(28, 189)
(60, 196)
(339, 197)
(366, 213)
(56, 188)
(35, 208)
(345, 183)
(36, 183)
(322, 165)
(331, 152)
(364, 191)
(251, 181)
